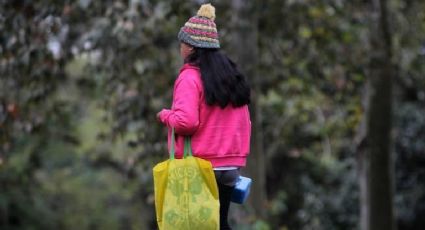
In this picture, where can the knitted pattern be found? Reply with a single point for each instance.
(200, 30)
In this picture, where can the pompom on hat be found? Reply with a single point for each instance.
(200, 30)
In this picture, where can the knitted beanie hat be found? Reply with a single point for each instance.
(200, 31)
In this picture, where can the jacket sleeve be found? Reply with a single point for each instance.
(184, 115)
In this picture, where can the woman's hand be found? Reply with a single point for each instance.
(162, 116)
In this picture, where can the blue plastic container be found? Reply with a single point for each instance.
(241, 191)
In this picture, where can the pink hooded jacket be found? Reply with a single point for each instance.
(221, 136)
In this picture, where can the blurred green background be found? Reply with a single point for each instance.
(81, 83)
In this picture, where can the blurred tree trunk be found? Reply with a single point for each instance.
(244, 45)
(375, 161)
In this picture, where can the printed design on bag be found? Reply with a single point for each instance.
(185, 186)
(204, 213)
(173, 218)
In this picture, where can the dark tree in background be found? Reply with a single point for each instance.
(376, 163)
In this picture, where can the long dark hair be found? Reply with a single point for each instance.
(223, 82)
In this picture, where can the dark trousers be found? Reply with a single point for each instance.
(226, 180)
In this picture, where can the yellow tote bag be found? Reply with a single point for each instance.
(186, 194)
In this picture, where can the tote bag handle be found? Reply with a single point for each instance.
(187, 146)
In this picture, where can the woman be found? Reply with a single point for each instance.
(210, 104)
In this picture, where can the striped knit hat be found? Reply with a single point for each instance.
(200, 31)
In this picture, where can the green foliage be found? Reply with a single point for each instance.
(313, 73)
(410, 124)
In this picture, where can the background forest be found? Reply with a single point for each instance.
(81, 83)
